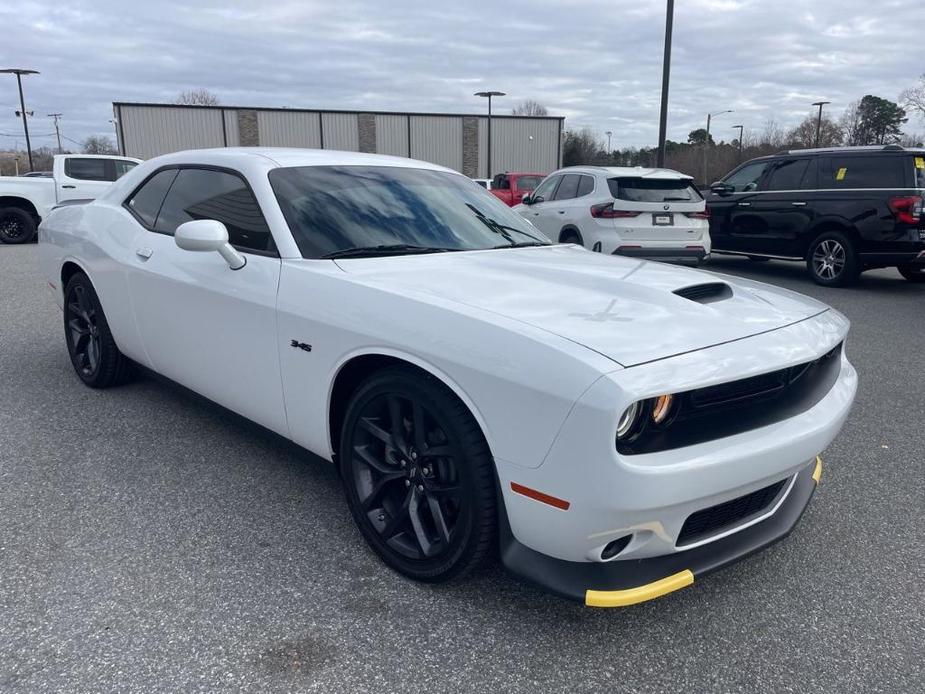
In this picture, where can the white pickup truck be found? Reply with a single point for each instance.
(26, 200)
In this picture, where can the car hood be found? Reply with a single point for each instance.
(622, 308)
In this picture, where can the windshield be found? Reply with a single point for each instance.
(332, 209)
(654, 190)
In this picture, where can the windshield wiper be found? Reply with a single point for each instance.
(384, 249)
(522, 244)
(502, 229)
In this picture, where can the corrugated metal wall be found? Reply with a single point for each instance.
(147, 130)
(392, 134)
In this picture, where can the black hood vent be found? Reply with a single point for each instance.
(706, 293)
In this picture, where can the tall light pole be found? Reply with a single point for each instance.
(666, 71)
(609, 134)
(19, 72)
(488, 95)
(741, 129)
(820, 104)
(706, 143)
(56, 116)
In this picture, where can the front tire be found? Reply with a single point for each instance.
(93, 351)
(832, 261)
(16, 225)
(418, 476)
(913, 273)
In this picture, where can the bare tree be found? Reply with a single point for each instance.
(913, 99)
(773, 137)
(98, 145)
(197, 97)
(580, 147)
(851, 124)
(804, 135)
(529, 108)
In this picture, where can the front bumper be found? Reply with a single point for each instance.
(622, 583)
(693, 253)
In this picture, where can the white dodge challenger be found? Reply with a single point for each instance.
(613, 428)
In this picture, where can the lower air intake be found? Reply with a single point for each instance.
(716, 519)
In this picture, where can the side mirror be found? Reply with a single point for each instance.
(527, 200)
(206, 235)
(720, 188)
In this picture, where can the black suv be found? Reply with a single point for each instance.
(841, 210)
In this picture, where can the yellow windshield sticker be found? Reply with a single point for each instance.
(920, 162)
(840, 176)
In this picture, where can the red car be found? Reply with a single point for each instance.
(511, 187)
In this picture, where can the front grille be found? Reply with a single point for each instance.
(705, 293)
(716, 519)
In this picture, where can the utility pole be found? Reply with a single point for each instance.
(820, 104)
(706, 143)
(489, 95)
(56, 116)
(609, 134)
(666, 72)
(19, 72)
(741, 128)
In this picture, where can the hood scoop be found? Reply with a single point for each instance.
(706, 293)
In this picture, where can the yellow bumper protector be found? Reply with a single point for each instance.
(817, 473)
(631, 596)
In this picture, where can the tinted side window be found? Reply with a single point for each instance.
(919, 163)
(787, 175)
(568, 189)
(147, 200)
(224, 197)
(123, 167)
(585, 186)
(883, 171)
(746, 178)
(546, 188)
(87, 169)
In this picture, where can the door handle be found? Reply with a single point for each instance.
(798, 204)
(68, 185)
(561, 211)
(144, 253)
(744, 204)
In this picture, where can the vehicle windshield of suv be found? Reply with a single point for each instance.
(389, 210)
(528, 182)
(653, 190)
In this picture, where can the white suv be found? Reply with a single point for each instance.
(650, 213)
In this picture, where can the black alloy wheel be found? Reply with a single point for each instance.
(418, 476)
(913, 273)
(93, 351)
(831, 261)
(16, 226)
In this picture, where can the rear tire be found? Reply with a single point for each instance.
(571, 236)
(418, 476)
(16, 225)
(913, 273)
(93, 351)
(832, 261)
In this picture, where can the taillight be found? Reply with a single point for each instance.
(699, 215)
(906, 208)
(605, 211)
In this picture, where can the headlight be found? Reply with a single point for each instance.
(661, 408)
(628, 421)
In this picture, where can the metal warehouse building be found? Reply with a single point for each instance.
(458, 141)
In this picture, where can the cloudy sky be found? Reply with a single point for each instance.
(596, 62)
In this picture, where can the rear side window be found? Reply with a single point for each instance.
(787, 174)
(653, 190)
(919, 163)
(585, 186)
(224, 197)
(528, 182)
(86, 169)
(864, 172)
(147, 200)
(568, 189)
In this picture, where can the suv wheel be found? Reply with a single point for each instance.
(913, 273)
(571, 236)
(832, 261)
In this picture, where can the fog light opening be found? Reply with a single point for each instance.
(613, 548)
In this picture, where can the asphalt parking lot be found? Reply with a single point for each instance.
(150, 541)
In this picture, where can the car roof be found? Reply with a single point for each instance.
(290, 156)
(627, 172)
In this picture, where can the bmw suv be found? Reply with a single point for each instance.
(840, 210)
